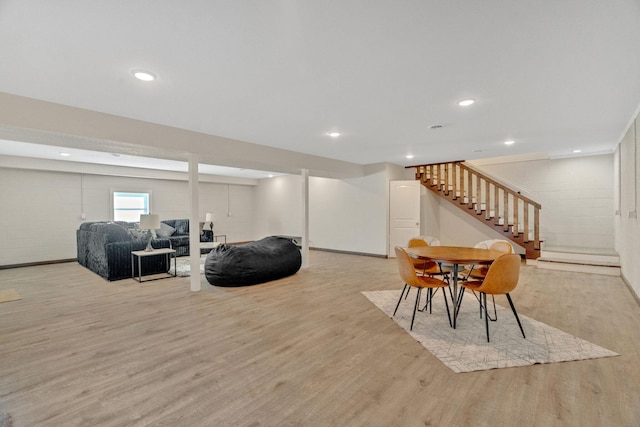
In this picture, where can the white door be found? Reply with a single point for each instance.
(404, 213)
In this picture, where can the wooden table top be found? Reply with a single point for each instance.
(455, 254)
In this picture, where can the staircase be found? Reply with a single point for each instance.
(494, 204)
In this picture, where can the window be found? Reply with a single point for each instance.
(129, 206)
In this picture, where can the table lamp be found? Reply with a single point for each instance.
(149, 222)
(208, 217)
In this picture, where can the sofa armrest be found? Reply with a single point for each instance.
(119, 258)
(206, 236)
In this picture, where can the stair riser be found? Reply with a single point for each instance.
(579, 268)
(586, 258)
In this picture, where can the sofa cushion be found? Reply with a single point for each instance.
(182, 226)
(179, 240)
(113, 232)
(165, 231)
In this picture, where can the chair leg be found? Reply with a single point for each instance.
(415, 307)
(458, 301)
(444, 295)
(515, 314)
(428, 301)
(400, 299)
(495, 313)
(486, 315)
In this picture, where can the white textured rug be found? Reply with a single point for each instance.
(183, 266)
(465, 348)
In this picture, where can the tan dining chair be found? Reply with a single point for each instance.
(479, 272)
(502, 278)
(411, 279)
(424, 267)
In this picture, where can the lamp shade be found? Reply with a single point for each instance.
(208, 217)
(149, 222)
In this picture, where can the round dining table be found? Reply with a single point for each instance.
(456, 256)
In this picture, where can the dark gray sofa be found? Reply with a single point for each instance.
(177, 231)
(105, 247)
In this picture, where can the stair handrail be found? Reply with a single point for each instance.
(502, 185)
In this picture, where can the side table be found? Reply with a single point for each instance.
(206, 247)
(169, 253)
(216, 237)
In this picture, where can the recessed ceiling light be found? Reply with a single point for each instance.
(409, 156)
(466, 102)
(334, 134)
(65, 154)
(577, 151)
(509, 142)
(145, 76)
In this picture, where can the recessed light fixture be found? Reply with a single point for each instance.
(145, 76)
(65, 154)
(466, 102)
(409, 156)
(334, 134)
(509, 142)
(577, 151)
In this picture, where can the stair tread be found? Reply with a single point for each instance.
(579, 262)
(580, 250)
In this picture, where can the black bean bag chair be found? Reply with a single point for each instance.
(251, 263)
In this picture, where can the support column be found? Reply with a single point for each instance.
(305, 218)
(194, 223)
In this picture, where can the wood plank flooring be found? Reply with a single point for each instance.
(308, 350)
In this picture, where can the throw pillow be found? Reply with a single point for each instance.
(165, 231)
(138, 234)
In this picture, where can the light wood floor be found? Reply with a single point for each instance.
(309, 350)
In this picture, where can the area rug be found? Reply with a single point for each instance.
(465, 348)
(7, 295)
(183, 266)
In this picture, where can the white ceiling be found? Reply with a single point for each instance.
(552, 75)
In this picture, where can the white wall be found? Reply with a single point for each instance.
(344, 214)
(350, 214)
(40, 214)
(279, 206)
(41, 209)
(232, 205)
(627, 193)
(576, 195)
(453, 227)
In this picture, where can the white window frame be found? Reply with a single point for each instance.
(113, 193)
